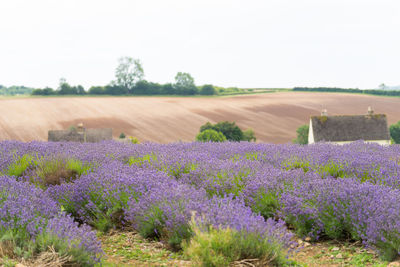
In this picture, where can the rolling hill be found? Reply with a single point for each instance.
(273, 116)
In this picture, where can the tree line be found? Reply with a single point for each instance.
(15, 90)
(349, 90)
(129, 80)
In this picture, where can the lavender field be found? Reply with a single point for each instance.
(218, 202)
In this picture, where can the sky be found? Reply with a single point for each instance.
(243, 43)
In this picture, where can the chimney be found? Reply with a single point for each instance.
(370, 111)
(80, 127)
(324, 112)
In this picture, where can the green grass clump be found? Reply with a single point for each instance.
(177, 170)
(296, 163)
(49, 171)
(143, 160)
(222, 247)
(266, 203)
(231, 182)
(19, 166)
(58, 170)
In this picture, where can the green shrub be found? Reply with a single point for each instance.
(248, 135)
(143, 160)
(302, 135)
(20, 165)
(122, 136)
(266, 203)
(208, 89)
(395, 132)
(222, 247)
(230, 130)
(56, 171)
(133, 140)
(210, 135)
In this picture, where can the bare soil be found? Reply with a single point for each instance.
(273, 116)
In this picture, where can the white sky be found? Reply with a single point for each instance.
(244, 43)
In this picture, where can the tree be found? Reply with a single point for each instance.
(80, 90)
(210, 135)
(128, 72)
(208, 89)
(231, 131)
(302, 135)
(184, 84)
(394, 130)
(65, 89)
(248, 135)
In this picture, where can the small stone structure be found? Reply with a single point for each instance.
(80, 134)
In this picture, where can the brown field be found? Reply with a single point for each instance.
(273, 116)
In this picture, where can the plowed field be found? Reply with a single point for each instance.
(273, 116)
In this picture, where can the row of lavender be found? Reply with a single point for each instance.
(164, 191)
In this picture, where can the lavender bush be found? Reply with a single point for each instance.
(31, 221)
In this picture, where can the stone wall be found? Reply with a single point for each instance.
(86, 135)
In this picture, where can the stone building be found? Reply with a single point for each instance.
(372, 128)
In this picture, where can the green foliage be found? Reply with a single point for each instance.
(97, 90)
(295, 163)
(72, 128)
(143, 160)
(249, 135)
(128, 72)
(208, 89)
(302, 135)
(152, 225)
(129, 80)
(133, 140)
(15, 90)
(232, 182)
(78, 167)
(184, 83)
(222, 247)
(66, 89)
(210, 135)
(20, 165)
(58, 170)
(177, 170)
(389, 250)
(229, 129)
(49, 171)
(104, 218)
(266, 203)
(44, 91)
(331, 168)
(122, 136)
(395, 132)
(348, 90)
